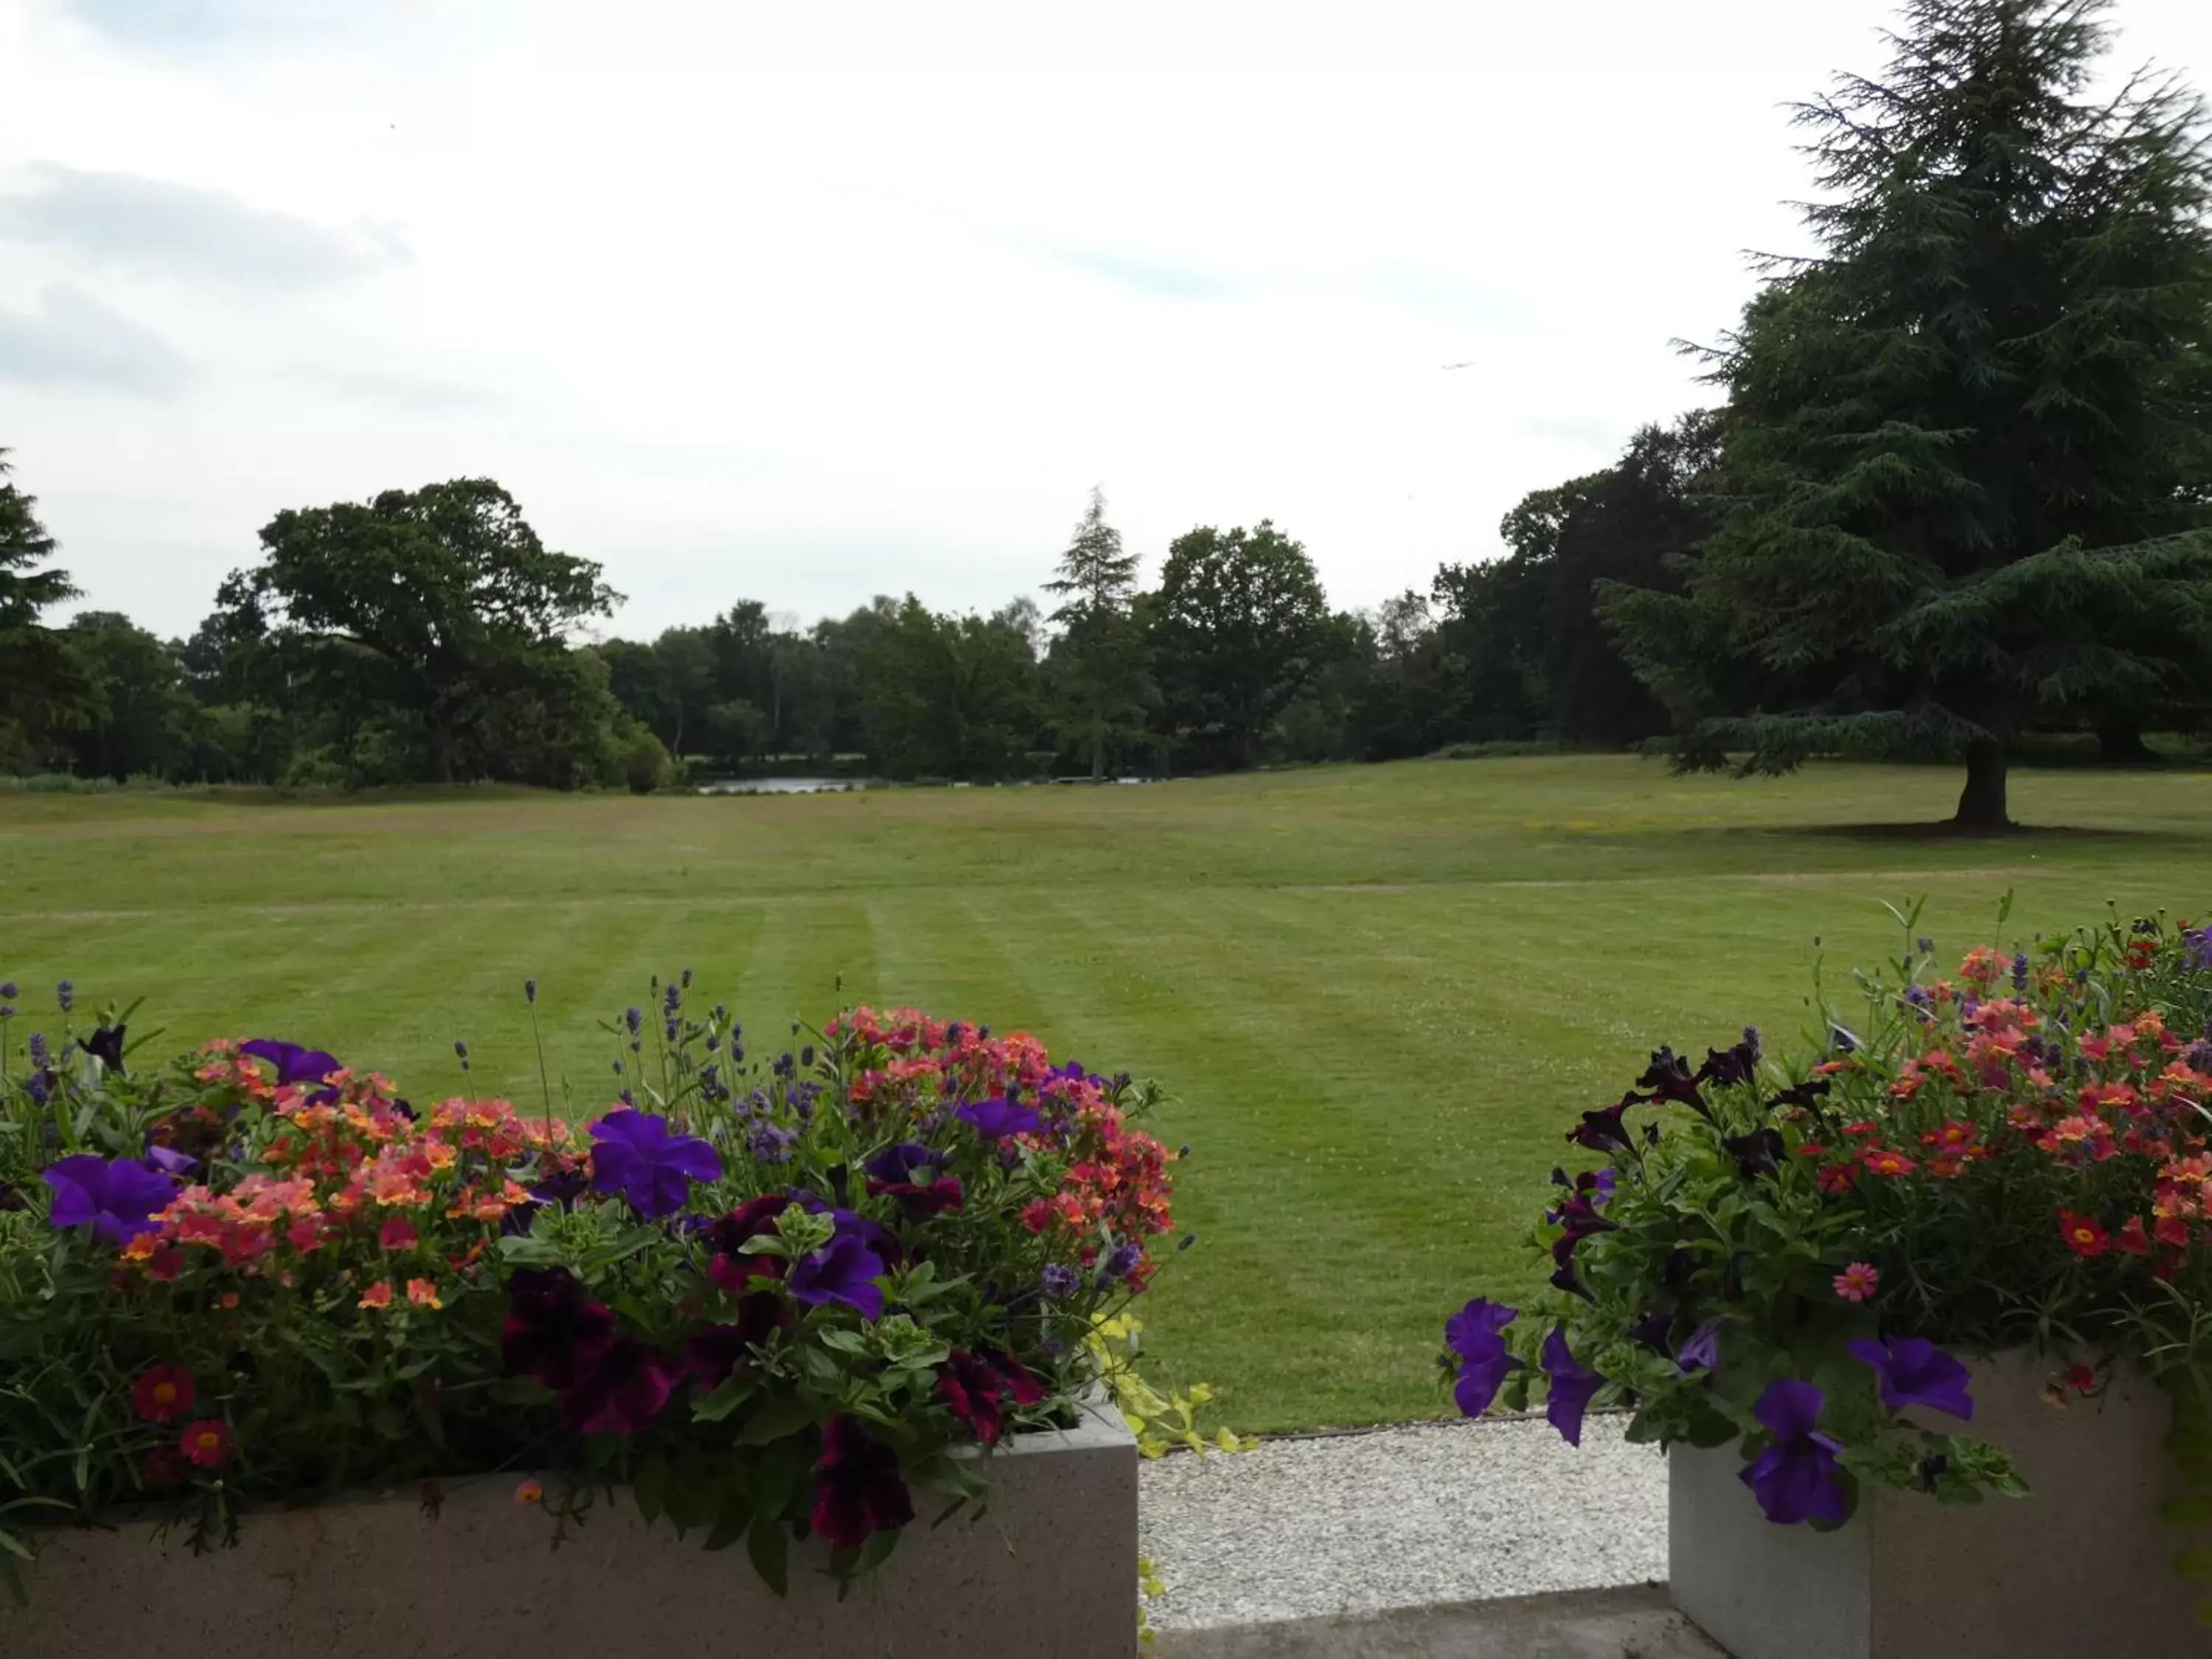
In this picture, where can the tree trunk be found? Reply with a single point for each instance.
(441, 755)
(1982, 802)
(1097, 757)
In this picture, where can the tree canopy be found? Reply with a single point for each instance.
(1965, 458)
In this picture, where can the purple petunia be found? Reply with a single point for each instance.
(995, 1119)
(1702, 1349)
(1572, 1383)
(1475, 1334)
(294, 1064)
(914, 1175)
(1796, 1478)
(117, 1199)
(843, 1270)
(634, 1154)
(1914, 1371)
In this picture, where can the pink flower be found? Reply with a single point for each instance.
(1858, 1282)
(398, 1234)
(378, 1295)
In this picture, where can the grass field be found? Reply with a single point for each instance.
(1377, 994)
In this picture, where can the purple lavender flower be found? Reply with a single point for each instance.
(687, 979)
(670, 1000)
(1917, 996)
(1060, 1281)
(66, 994)
(1796, 1478)
(1572, 1383)
(997, 1120)
(2020, 970)
(1121, 1261)
(9, 991)
(634, 1154)
(119, 1199)
(294, 1064)
(1476, 1333)
(634, 1018)
(530, 990)
(1914, 1371)
(1926, 946)
(39, 1086)
(40, 1055)
(771, 1143)
(461, 1053)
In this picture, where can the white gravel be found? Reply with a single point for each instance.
(1400, 1519)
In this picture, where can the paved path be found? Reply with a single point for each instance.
(1421, 1517)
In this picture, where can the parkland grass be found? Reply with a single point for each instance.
(1378, 996)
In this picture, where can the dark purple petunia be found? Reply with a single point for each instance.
(858, 1487)
(1727, 1067)
(1703, 1350)
(117, 1199)
(294, 1064)
(553, 1330)
(995, 1119)
(1914, 1371)
(1806, 1093)
(844, 1270)
(717, 1352)
(634, 1154)
(1651, 1331)
(621, 1392)
(1602, 1131)
(1669, 1078)
(915, 1176)
(1572, 1383)
(105, 1046)
(1759, 1153)
(1476, 1334)
(1796, 1478)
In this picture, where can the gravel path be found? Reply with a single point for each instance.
(1400, 1519)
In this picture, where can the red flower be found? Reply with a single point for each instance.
(1812, 1149)
(2084, 1237)
(858, 1488)
(1882, 1161)
(973, 1384)
(206, 1443)
(1862, 1129)
(2132, 1238)
(163, 1393)
(2173, 1230)
(1838, 1178)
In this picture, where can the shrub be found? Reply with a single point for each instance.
(770, 1294)
(2014, 1155)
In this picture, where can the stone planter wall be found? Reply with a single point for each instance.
(1050, 1568)
(2082, 1568)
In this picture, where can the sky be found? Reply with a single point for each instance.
(747, 303)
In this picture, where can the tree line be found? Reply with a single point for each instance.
(1956, 491)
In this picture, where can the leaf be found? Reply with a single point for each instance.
(733, 1521)
(2191, 1511)
(877, 1550)
(768, 1544)
(726, 1398)
(776, 1419)
(2195, 1566)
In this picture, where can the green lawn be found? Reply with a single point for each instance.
(1378, 995)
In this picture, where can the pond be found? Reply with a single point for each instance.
(780, 786)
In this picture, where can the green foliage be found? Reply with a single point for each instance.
(423, 617)
(950, 697)
(40, 686)
(1968, 446)
(1099, 669)
(1241, 628)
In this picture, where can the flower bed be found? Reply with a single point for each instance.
(1793, 1258)
(774, 1299)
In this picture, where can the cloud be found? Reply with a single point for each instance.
(179, 230)
(189, 25)
(1154, 281)
(71, 337)
(411, 394)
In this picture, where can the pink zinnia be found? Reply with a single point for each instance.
(1858, 1282)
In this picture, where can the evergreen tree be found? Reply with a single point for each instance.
(1099, 664)
(41, 685)
(1966, 446)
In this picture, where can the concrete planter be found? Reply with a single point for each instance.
(2082, 1567)
(1051, 1568)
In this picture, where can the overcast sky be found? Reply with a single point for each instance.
(744, 311)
